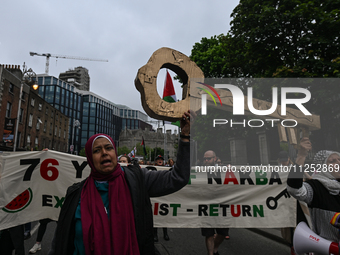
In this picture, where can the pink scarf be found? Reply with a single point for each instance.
(103, 235)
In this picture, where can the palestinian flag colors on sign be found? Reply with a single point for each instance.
(169, 94)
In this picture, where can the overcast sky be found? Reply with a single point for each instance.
(126, 33)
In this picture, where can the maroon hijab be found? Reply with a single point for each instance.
(103, 235)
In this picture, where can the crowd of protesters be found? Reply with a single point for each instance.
(75, 235)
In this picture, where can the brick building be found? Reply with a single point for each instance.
(40, 124)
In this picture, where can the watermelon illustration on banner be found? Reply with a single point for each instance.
(169, 95)
(20, 202)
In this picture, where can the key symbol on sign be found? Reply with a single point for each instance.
(274, 199)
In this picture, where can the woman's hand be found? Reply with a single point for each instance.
(304, 147)
(186, 119)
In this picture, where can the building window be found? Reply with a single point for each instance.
(64, 133)
(51, 127)
(38, 123)
(59, 132)
(32, 101)
(55, 131)
(8, 109)
(40, 107)
(30, 121)
(45, 126)
(46, 111)
(36, 141)
(11, 88)
(21, 115)
(18, 140)
(28, 139)
(52, 114)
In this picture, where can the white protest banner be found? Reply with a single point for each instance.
(239, 198)
(33, 186)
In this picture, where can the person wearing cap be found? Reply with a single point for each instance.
(159, 160)
(110, 211)
(321, 192)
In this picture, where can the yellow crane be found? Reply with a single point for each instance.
(48, 55)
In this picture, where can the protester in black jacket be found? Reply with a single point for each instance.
(321, 193)
(116, 213)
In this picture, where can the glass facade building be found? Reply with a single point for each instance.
(96, 114)
(132, 119)
(99, 116)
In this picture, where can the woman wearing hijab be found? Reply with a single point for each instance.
(110, 211)
(321, 193)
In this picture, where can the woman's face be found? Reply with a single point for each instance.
(171, 162)
(104, 156)
(333, 163)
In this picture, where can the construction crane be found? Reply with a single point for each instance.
(48, 55)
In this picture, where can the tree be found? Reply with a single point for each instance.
(218, 57)
(140, 151)
(82, 152)
(123, 150)
(281, 38)
(301, 36)
(289, 38)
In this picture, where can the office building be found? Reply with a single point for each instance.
(88, 113)
(79, 77)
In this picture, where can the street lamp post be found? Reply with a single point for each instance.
(76, 123)
(18, 116)
(27, 75)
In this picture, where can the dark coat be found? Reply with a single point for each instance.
(143, 184)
